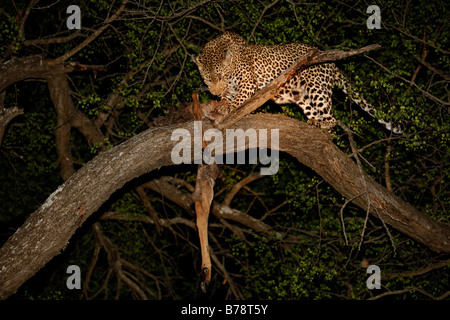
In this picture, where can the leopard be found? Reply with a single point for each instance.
(234, 70)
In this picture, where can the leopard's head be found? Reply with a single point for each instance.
(216, 61)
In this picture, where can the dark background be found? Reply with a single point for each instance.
(147, 71)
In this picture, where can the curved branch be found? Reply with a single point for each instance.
(37, 67)
(6, 115)
(165, 187)
(47, 231)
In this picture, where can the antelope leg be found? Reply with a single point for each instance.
(203, 196)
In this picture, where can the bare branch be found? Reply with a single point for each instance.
(427, 94)
(153, 214)
(418, 272)
(238, 186)
(39, 41)
(91, 38)
(36, 67)
(435, 70)
(406, 290)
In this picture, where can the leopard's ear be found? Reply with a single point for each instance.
(195, 59)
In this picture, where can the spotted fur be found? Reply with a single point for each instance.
(235, 70)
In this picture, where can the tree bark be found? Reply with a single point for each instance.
(59, 93)
(69, 116)
(36, 67)
(6, 115)
(47, 231)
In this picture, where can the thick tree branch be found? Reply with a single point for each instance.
(59, 93)
(38, 240)
(6, 115)
(36, 67)
(68, 116)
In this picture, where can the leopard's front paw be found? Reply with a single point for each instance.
(223, 109)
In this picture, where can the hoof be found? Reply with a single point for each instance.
(204, 283)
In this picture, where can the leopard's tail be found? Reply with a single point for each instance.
(343, 83)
